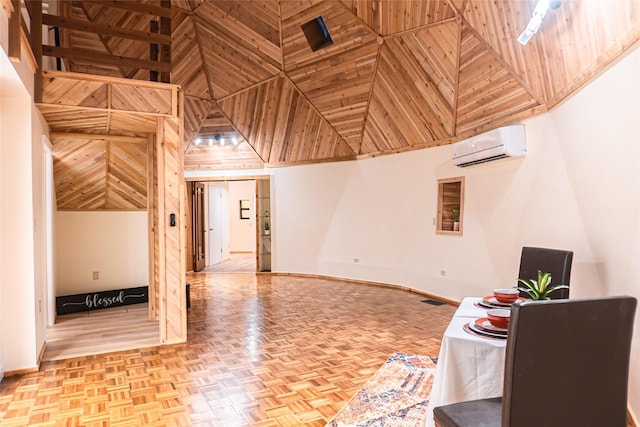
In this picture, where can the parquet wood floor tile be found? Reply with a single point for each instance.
(262, 351)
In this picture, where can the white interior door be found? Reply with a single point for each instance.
(215, 223)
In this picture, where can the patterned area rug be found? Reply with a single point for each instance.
(397, 395)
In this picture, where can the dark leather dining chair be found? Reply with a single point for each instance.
(554, 261)
(566, 364)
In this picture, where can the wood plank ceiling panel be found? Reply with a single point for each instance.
(79, 169)
(132, 122)
(388, 17)
(187, 65)
(499, 23)
(337, 79)
(346, 30)
(210, 154)
(282, 126)
(126, 176)
(583, 38)
(75, 119)
(195, 111)
(289, 8)
(413, 97)
(458, 5)
(98, 174)
(217, 124)
(241, 43)
(487, 92)
(206, 157)
(70, 119)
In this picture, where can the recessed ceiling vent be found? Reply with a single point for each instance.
(317, 34)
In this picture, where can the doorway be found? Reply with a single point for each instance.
(231, 225)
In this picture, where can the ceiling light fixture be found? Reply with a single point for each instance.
(541, 9)
(217, 140)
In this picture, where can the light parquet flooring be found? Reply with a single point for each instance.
(101, 331)
(262, 350)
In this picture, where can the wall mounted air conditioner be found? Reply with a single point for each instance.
(507, 141)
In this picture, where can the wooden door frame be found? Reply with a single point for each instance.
(198, 229)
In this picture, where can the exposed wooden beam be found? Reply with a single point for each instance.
(165, 49)
(134, 6)
(107, 48)
(15, 27)
(53, 74)
(101, 58)
(36, 46)
(81, 135)
(103, 110)
(107, 30)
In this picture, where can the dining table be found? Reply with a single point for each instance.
(470, 365)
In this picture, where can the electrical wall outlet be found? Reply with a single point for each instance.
(96, 275)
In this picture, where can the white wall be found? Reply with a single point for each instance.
(19, 344)
(39, 226)
(578, 189)
(242, 231)
(115, 244)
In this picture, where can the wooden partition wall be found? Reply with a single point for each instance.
(171, 233)
(87, 114)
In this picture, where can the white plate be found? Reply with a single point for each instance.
(486, 325)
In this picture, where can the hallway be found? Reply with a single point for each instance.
(240, 262)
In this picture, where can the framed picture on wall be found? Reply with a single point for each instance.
(245, 207)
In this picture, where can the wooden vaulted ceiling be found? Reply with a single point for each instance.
(399, 75)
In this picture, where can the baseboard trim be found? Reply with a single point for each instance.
(370, 283)
(23, 371)
(41, 355)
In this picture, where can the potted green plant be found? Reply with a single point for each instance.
(541, 288)
(456, 219)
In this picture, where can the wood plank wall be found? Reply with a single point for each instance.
(171, 238)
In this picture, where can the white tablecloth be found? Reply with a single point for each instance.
(469, 367)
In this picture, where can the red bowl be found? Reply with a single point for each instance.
(499, 317)
(506, 296)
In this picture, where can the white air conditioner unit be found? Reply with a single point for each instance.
(507, 141)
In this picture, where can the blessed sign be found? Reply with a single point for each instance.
(105, 299)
